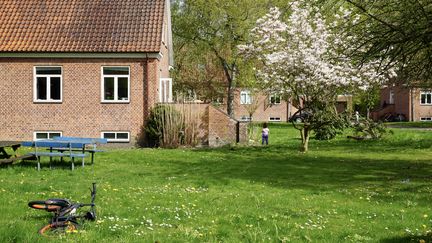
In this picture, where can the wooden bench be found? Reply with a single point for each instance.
(19, 157)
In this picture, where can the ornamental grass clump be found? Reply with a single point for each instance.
(171, 126)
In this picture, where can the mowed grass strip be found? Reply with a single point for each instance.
(341, 191)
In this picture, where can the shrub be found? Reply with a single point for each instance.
(169, 128)
(369, 129)
(332, 124)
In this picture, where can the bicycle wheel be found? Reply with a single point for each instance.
(44, 206)
(58, 228)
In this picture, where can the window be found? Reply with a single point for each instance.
(391, 97)
(245, 98)
(246, 118)
(275, 99)
(46, 135)
(165, 90)
(426, 98)
(115, 84)
(425, 118)
(47, 84)
(119, 137)
(275, 119)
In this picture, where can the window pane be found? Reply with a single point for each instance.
(55, 88)
(242, 99)
(122, 135)
(48, 70)
(109, 135)
(41, 135)
(122, 88)
(116, 71)
(428, 99)
(54, 134)
(41, 88)
(109, 89)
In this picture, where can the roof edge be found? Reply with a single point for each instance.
(156, 55)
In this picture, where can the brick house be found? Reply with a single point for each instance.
(82, 68)
(413, 104)
(272, 108)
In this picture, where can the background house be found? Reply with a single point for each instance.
(272, 108)
(404, 103)
(82, 68)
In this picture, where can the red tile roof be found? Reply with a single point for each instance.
(81, 25)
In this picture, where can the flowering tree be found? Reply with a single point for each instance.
(304, 58)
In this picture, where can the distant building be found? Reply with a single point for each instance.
(272, 108)
(404, 103)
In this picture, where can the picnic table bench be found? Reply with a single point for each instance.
(72, 147)
(37, 145)
(90, 145)
(6, 158)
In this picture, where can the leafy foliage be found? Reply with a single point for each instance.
(369, 129)
(330, 124)
(398, 32)
(303, 56)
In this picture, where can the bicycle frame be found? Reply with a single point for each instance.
(66, 214)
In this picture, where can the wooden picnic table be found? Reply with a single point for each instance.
(6, 158)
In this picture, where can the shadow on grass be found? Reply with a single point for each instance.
(280, 166)
(55, 164)
(423, 238)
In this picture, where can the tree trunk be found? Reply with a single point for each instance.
(230, 72)
(305, 140)
(230, 98)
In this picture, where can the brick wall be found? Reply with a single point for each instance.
(264, 110)
(81, 113)
(216, 128)
(223, 129)
(406, 102)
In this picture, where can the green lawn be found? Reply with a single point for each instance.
(341, 191)
(410, 124)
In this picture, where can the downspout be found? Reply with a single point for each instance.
(145, 89)
(412, 104)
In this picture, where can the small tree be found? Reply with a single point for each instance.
(304, 58)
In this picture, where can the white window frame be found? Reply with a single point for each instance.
(248, 97)
(246, 118)
(425, 93)
(275, 119)
(47, 132)
(391, 97)
(115, 76)
(275, 103)
(426, 119)
(161, 86)
(48, 77)
(116, 140)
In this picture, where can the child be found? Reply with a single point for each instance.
(265, 133)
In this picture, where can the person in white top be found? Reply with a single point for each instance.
(265, 133)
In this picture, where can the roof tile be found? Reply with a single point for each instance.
(81, 25)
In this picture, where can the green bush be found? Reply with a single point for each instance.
(368, 129)
(330, 124)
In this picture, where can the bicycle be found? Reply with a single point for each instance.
(65, 219)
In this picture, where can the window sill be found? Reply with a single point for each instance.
(115, 102)
(47, 102)
(425, 104)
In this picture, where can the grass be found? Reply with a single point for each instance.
(341, 191)
(410, 124)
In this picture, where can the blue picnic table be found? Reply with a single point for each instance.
(72, 147)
